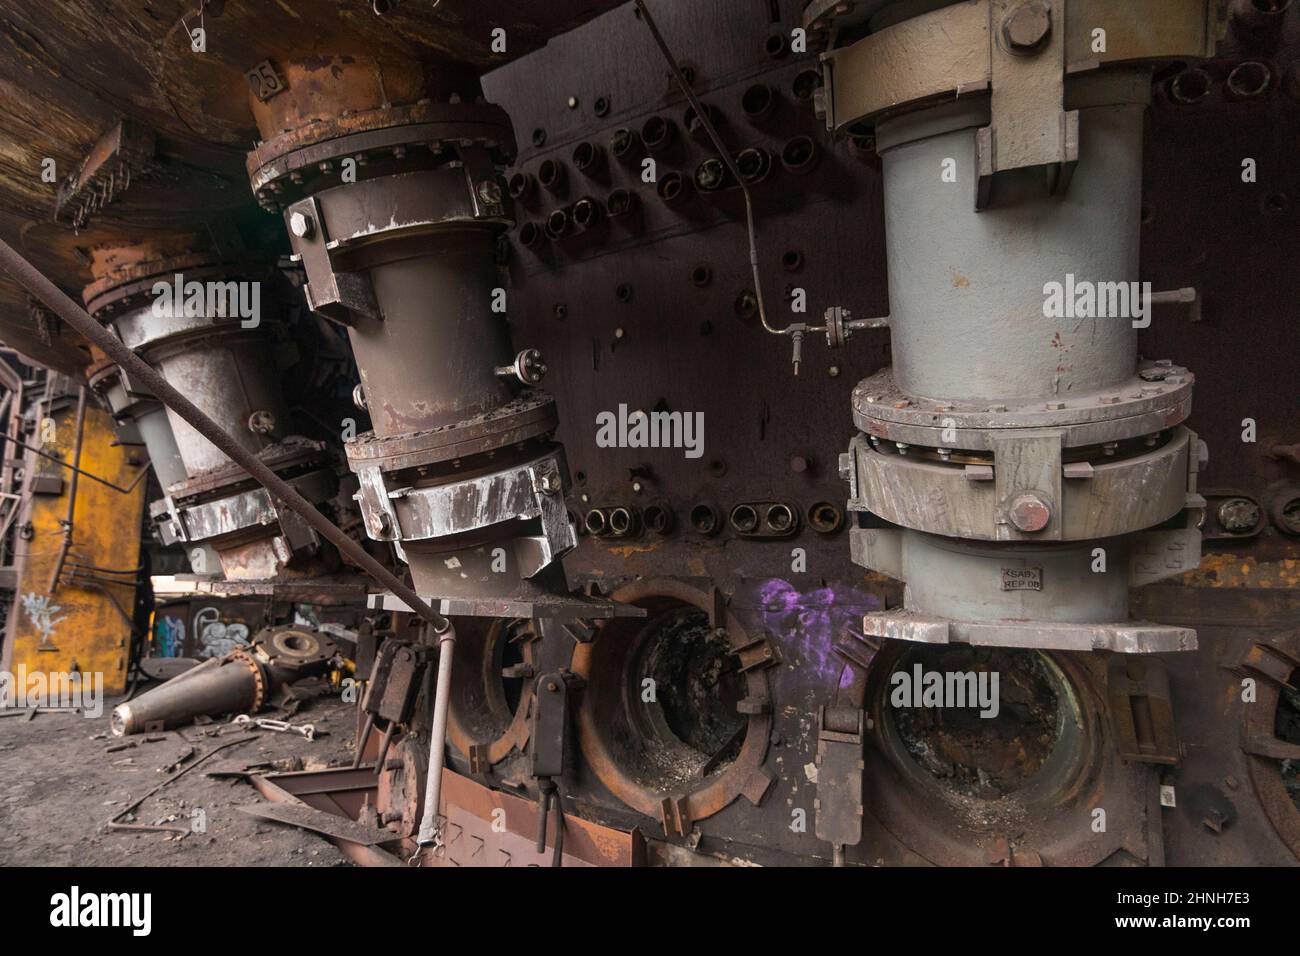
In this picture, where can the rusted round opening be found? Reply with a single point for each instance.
(672, 187)
(758, 100)
(557, 223)
(1190, 86)
(669, 716)
(550, 174)
(656, 132)
(1288, 516)
(710, 175)
(659, 518)
(806, 84)
(530, 236)
(623, 292)
(792, 260)
(596, 522)
(776, 46)
(1249, 79)
(491, 685)
(754, 164)
(586, 213)
(621, 142)
(620, 203)
(585, 156)
(705, 519)
(984, 724)
(701, 276)
(744, 519)
(520, 186)
(799, 155)
(691, 120)
(824, 517)
(622, 521)
(780, 518)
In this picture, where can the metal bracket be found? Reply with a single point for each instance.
(548, 724)
(336, 295)
(1141, 710)
(840, 766)
(1029, 128)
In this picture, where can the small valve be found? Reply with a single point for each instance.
(796, 337)
(528, 367)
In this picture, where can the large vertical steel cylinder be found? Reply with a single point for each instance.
(204, 325)
(966, 286)
(1014, 462)
(394, 208)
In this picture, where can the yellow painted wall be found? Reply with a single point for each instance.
(79, 623)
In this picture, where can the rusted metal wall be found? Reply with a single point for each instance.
(84, 622)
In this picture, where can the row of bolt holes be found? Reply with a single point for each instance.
(746, 304)
(658, 134)
(798, 156)
(778, 519)
(1246, 80)
(776, 47)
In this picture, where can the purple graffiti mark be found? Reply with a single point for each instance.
(806, 622)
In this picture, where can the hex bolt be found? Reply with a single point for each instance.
(301, 224)
(1027, 27)
(1028, 512)
(1239, 515)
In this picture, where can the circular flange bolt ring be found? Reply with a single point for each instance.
(1158, 397)
(304, 149)
(531, 415)
(745, 776)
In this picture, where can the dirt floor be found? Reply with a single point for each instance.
(59, 787)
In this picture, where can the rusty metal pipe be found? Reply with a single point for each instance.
(429, 829)
(57, 301)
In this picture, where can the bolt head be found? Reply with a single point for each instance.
(301, 225)
(1028, 26)
(490, 192)
(1028, 513)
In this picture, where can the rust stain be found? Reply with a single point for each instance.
(1230, 570)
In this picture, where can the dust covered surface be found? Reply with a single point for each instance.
(59, 788)
(977, 757)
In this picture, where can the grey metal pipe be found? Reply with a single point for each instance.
(57, 301)
(437, 740)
